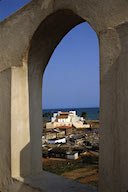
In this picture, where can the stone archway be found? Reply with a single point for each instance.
(28, 39)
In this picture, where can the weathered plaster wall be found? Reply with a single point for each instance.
(20, 129)
(5, 127)
(114, 105)
(109, 135)
(32, 34)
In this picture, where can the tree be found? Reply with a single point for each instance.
(47, 115)
(83, 114)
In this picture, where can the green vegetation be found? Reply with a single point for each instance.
(59, 167)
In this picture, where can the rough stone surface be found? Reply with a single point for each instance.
(54, 183)
(17, 186)
(27, 40)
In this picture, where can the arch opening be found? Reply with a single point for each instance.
(43, 43)
(71, 83)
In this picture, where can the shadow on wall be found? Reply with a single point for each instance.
(25, 170)
(25, 166)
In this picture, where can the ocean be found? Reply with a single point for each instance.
(91, 113)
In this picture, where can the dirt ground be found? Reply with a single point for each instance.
(84, 175)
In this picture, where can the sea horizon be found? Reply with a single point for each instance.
(92, 113)
(69, 108)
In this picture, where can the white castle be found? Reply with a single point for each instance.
(67, 119)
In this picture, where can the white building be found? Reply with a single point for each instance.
(66, 119)
(72, 155)
(55, 141)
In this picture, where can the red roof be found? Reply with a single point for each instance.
(67, 113)
(63, 117)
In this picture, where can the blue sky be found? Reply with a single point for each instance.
(71, 78)
(8, 7)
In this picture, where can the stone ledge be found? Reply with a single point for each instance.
(53, 183)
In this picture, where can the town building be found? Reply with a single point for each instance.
(73, 155)
(59, 152)
(57, 141)
(68, 130)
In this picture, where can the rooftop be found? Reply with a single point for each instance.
(64, 127)
(54, 139)
(67, 113)
(62, 116)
